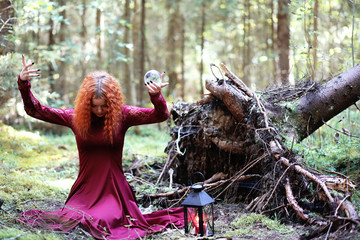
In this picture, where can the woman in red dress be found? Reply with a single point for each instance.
(100, 199)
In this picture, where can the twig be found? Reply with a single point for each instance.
(328, 231)
(274, 209)
(357, 106)
(180, 200)
(277, 183)
(338, 207)
(5, 23)
(213, 65)
(345, 133)
(139, 179)
(241, 172)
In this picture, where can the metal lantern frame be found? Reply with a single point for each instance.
(199, 201)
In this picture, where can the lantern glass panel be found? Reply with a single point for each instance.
(193, 223)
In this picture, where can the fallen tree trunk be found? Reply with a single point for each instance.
(316, 107)
(233, 132)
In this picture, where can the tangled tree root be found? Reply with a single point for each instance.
(228, 136)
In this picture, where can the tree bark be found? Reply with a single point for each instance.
(182, 57)
(327, 101)
(7, 15)
(202, 42)
(273, 41)
(98, 37)
(171, 56)
(136, 53)
(142, 52)
(83, 34)
(127, 71)
(283, 38)
(51, 42)
(246, 40)
(63, 78)
(315, 40)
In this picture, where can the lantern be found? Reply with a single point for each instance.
(199, 211)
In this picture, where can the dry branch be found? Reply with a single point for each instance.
(294, 204)
(237, 80)
(310, 175)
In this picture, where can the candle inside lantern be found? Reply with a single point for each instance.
(196, 223)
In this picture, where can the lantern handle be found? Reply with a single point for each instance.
(203, 178)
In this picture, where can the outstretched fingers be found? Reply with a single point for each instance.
(154, 87)
(26, 72)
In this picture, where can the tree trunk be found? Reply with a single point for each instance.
(62, 72)
(51, 42)
(229, 136)
(136, 52)
(98, 37)
(202, 42)
(315, 40)
(7, 17)
(182, 57)
(283, 38)
(246, 40)
(325, 102)
(142, 53)
(173, 10)
(127, 71)
(83, 36)
(275, 74)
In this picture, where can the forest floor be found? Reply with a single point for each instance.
(37, 171)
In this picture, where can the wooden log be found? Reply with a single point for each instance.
(338, 183)
(231, 96)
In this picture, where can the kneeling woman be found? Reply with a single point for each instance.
(100, 199)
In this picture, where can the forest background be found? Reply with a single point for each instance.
(267, 43)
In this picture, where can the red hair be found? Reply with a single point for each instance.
(98, 85)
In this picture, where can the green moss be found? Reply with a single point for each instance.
(25, 150)
(25, 158)
(248, 223)
(14, 233)
(22, 186)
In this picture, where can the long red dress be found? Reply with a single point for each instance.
(101, 199)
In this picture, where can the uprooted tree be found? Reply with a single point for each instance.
(236, 138)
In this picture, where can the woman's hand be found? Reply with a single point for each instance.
(154, 87)
(26, 72)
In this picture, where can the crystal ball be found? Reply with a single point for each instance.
(153, 76)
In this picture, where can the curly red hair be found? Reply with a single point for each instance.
(98, 85)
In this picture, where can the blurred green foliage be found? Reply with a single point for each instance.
(10, 66)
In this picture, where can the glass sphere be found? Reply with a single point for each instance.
(153, 76)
